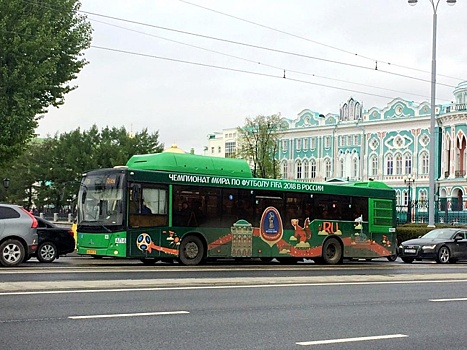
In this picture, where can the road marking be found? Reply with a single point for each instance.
(138, 314)
(348, 340)
(453, 299)
(225, 286)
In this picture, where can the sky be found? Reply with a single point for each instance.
(190, 68)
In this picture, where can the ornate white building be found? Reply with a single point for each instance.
(390, 144)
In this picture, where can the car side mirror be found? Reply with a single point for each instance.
(458, 237)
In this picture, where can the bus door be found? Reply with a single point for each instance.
(148, 231)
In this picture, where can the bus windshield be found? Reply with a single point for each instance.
(101, 199)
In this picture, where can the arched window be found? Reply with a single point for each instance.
(327, 167)
(298, 168)
(306, 169)
(313, 169)
(398, 164)
(374, 166)
(355, 167)
(341, 167)
(425, 163)
(389, 165)
(408, 163)
(284, 169)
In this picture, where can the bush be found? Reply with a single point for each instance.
(409, 231)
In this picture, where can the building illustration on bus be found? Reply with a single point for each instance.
(193, 208)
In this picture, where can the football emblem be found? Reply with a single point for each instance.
(143, 242)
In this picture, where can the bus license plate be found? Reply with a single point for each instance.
(91, 251)
(410, 251)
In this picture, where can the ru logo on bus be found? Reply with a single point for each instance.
(271, 226)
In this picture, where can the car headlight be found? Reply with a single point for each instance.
(428, 247)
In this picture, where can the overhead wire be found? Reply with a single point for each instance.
(282, 69)
(374, 60)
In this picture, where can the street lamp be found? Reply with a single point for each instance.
(431, 191)
(409, 180)
(6, 184)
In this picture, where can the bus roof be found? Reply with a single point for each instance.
(371, 184)
(191, 163)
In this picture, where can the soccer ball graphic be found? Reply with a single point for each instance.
(143, 241)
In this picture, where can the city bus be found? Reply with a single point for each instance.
(193, 208)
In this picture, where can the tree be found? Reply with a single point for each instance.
(42, 45)
(48, 173)
(258, 143)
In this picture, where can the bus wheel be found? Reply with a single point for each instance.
(392, 257)
(191, 250)
(332, 251)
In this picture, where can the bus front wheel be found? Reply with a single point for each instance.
(191, 250)
(332, 251)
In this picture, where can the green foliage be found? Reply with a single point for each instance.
(258, 143)
(42, 44)
(49, 171)
(409, 231)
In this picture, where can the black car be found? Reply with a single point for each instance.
(53, 241)
(442, 245)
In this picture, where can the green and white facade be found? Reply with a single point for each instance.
(389, 144)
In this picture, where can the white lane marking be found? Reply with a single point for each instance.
(348, 340)
(283, 285)
(452, 299)
(138, 314)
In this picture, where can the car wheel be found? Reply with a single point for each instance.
(332, 251)
(392, 257)
(46, 252)
(443, 255)
(12, 253)
(407, 260)
(191, 250)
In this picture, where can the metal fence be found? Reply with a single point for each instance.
(450, 212)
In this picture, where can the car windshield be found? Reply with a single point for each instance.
(439, 234)
(100, 199)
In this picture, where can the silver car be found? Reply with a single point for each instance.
(18, 235)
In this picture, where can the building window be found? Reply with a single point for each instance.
(313, 143)
(341, 166)
(355, 167)
(390, 165)
(299, 169)
(356, 140)
(342, 140)
(374, 166)
(327, 142)
(299, 144)
(327, 167)
(284, 145)
(219, 149)
(423, 197)
(305, 144)
(398, 164)
(212, 150)
(284, 169)
(313, 169)
(306, 170)
(425, 163)
(408, 164)
(230, 149)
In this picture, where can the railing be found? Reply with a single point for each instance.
(447, 211)
(457, 108)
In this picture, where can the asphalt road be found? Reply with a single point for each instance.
(377, 305)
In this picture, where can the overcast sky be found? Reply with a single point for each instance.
(257, 41)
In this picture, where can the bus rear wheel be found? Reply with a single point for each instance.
(332, 251)
(191, 250)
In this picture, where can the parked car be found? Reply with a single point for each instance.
(442, 245)
(18, 235)
(53, 241)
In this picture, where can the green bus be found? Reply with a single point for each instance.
(166, 206)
